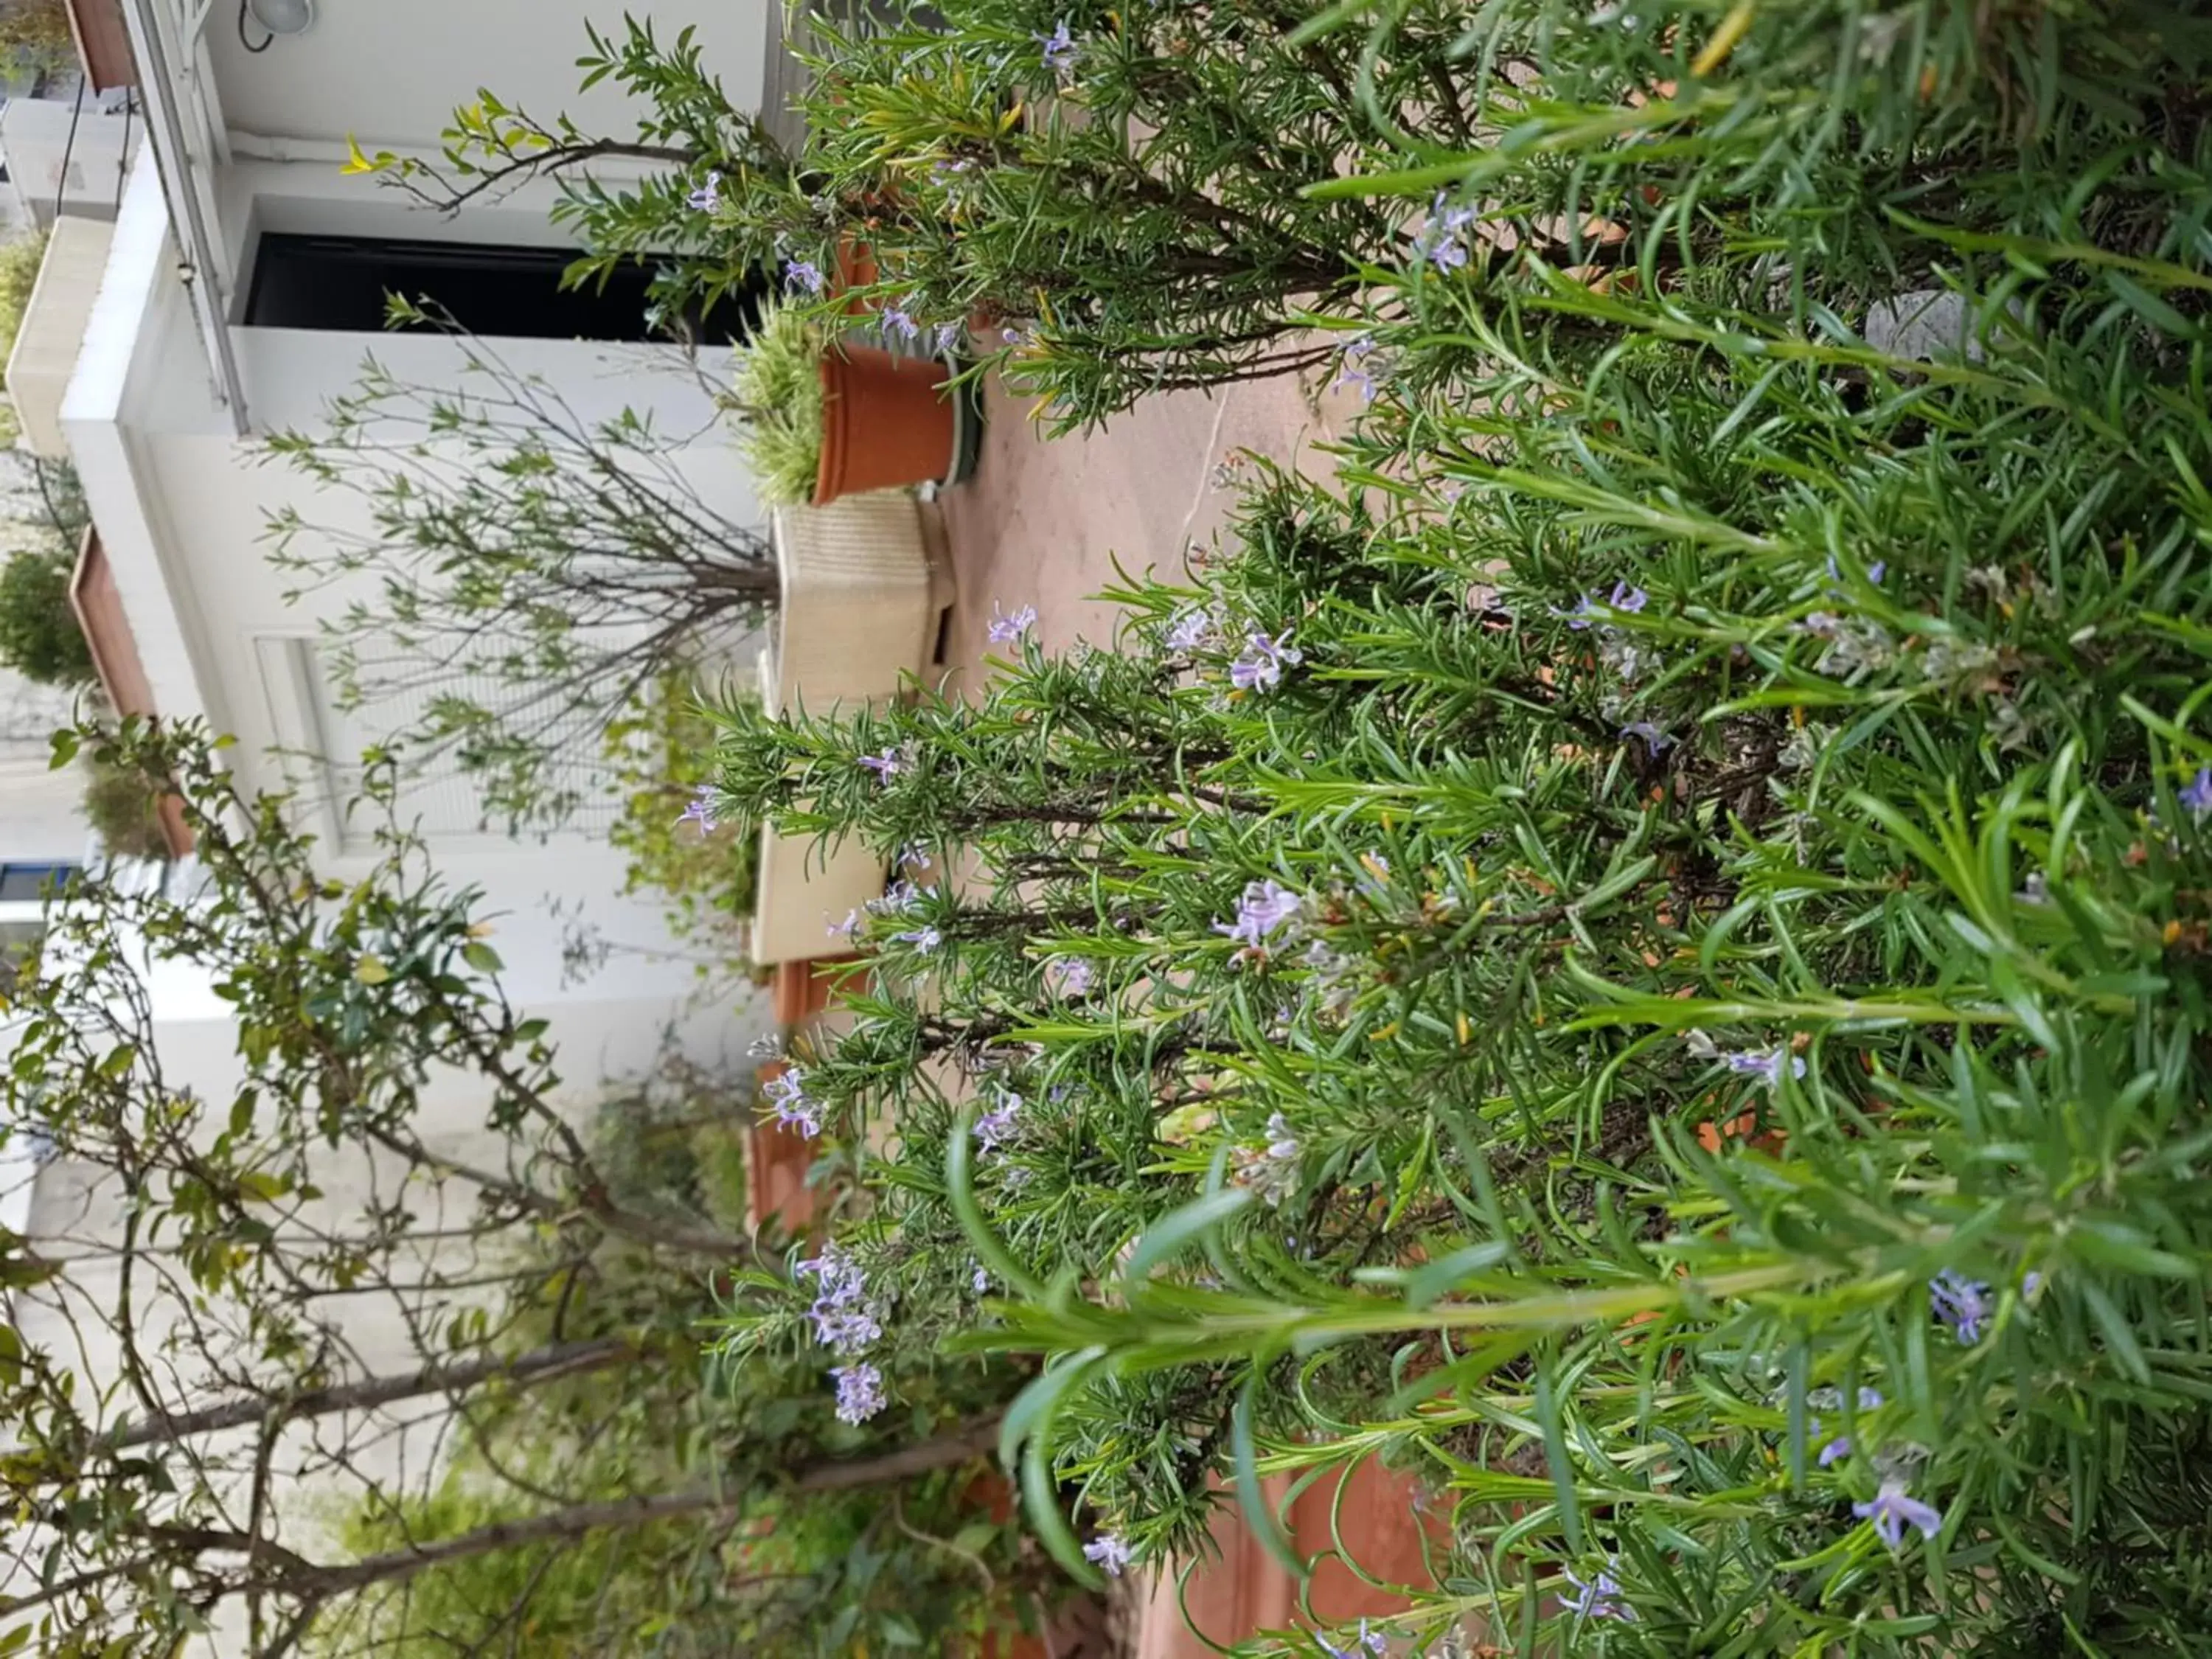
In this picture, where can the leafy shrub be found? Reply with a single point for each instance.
(1648, 960)
(777, 404)
(1158, 197)
(1533, 1009)
(19, 269)
(125, 812)
(783, 1574)
(40, 637)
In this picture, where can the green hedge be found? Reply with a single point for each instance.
(1652, 967)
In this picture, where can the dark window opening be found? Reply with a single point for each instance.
(342, 281)
(27, 884)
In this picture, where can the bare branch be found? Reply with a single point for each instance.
(543, 1365)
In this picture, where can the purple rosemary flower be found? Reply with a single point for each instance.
(924, 939)
(1598, 1599)
(1271, 1171)
(998, 1126)
(707, 197)
(1067, 977)
(786, 1093)
(1108, 1553)
(1874, 573)
(1579, 617)
(1447, 254)
(1655, 738)
(898, 898)
(859, 1392)
(1018, 336)
(2031, 1284)
(1367, 1640)
(1443, 243)
(845, 1331)
(887, 765)
(843, 1321)
(804, 274)
(1006, 626)
(1961, 1303)
(1059, 49)
(1892, 1509)
(980, 1282)
(1840, 1447)
(2197, 796)
(1260, 667)
(1767, 1067)
(846, 928)
(1189, 629)
(1265, 907)
(947, 339)
(700, 812)
(1629, 599)
(894, 322)
(1357, 370)
(838, 1280)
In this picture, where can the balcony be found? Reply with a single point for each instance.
(52, 332)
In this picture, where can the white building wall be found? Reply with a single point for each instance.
(66, 156)
(216, 495)
(183, 506)
(391, 72)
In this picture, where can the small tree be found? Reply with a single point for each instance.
(534, 571)
(40, 637)
(189, 1344)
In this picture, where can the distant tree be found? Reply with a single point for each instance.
(40, 637)
(567, 561)
(20, 259)
(35, 37)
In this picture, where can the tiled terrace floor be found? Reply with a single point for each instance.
(1042, 519)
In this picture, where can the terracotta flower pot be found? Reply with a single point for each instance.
(856, 268)
(885, 422)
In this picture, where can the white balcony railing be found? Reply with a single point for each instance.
(176, 78)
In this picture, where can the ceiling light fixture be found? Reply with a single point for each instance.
(283, 16)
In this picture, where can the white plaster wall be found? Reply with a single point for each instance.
(391, 72)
